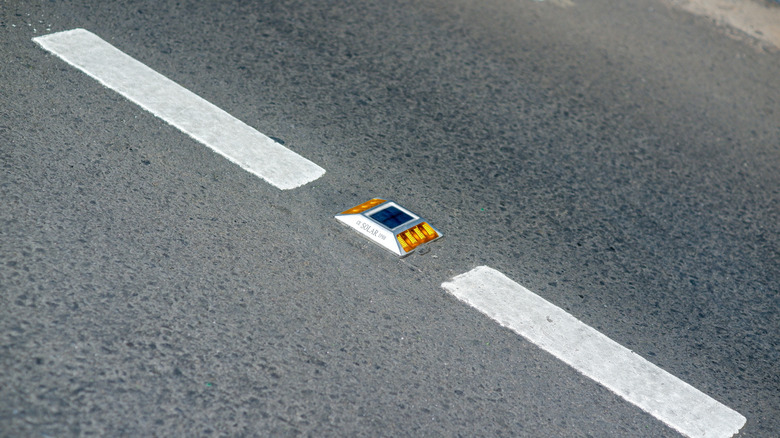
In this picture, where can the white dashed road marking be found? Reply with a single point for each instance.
(203, 121)
(676, 403)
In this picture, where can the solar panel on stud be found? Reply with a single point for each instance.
(391, 217)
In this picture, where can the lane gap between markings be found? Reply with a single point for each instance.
(676, 403)
(203, 121)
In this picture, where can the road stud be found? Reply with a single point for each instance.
(389, 225)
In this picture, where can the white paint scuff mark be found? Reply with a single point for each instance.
(203, 121)
(760, 20)
(674, 402)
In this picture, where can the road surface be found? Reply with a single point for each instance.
(619, 160)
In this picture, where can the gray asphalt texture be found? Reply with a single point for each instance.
(620, 160)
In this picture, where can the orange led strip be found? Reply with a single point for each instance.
(364, 206)
(416, 236)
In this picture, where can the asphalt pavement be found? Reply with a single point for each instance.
(618, 159)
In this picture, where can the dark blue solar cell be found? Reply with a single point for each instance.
(391, 217)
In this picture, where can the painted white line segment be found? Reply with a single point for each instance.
(676, 403)
(203, 121)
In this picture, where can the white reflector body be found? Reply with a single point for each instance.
(389, 225)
